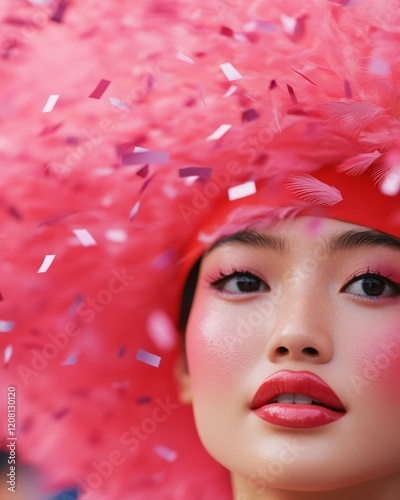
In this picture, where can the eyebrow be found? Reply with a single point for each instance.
(252, 239)
(348, 240)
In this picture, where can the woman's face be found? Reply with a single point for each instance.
(310, 307)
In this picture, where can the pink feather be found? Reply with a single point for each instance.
(358, 164)
(308, 188)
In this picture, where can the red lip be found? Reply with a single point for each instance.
(303, 416)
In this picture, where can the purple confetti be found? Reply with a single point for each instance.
(121, 352)
(6, 326)
(100, 89)
(71, 360)
(148, 358)
(292, 94)
(143, 172)
(60, 11)
(143, 157)
(250, 115)
(166, 453)
(197, 171)
(347, 89)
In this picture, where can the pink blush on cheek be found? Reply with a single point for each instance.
(381, 363)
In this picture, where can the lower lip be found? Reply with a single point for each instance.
(297, 416)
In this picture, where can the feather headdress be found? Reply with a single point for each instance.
(133, 134)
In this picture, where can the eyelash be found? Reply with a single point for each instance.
(374, 274)
(217, 282)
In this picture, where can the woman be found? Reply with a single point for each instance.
(257, 209)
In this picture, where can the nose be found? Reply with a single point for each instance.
(302, 332)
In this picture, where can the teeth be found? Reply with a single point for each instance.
(300, 399)
(285, 398)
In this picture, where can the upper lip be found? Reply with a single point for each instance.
(303, 382)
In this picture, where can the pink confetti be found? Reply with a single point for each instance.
(143, 172)
(230, 71)
(7, 354)
(118, 103)
(100, 89)
(220, 132)
(6, 326)
(142, 157)
(166, 453)
(162, 331)
(184, 58)
(242, 190)
(50, 103)
(195, 171)
(48, 260)
(250, 115)
(265, 26)
(148, 358)
(60, 11)
(224, 30)
(85, 238)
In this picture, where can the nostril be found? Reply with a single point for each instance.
(282, 350)
(310, 351)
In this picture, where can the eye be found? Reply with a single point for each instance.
(239, 283)
(372, 285)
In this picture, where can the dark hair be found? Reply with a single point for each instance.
(188, 295)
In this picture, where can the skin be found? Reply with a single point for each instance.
(306, 311)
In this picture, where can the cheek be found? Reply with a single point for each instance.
(379, 363)
(216, 350)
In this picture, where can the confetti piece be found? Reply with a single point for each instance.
(184, 58)
(7, 354)
(84, 237)
(242, 190)
(143, 400)
(391, 184)
(51, 102)
(266, 26)
(142, 157)
(224, 30)
(71, 360)
(1, 297)
(166, 453)
(379, 67)
(134, 211)
(60, 11)
(121, 352)
(100, 89)
(250, 115)
(148, 358)
(347, 89)
(197, 171)
(58, 415)
(292, 94)
(230, 71)
(162, 331)
(118, 103)
(220, 132)
(143, 172)
(232, 89)
(6, 326)
(48, 260)
(116, 235)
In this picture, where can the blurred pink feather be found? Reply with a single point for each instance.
(310, 189)
(350, 117)
(358, 164)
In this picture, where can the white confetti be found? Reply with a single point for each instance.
(242, 190)
(116, 235)
(220, 132)
(51, 102)
(232, 89)
(148, 358)
(230, 71)
(6, 326)
(48, 260)
(134, 210)
(71, 360)
(391, 184)
(184, 58)
(84, 237)
(118, 103)
(162, 331)
(7, 354)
